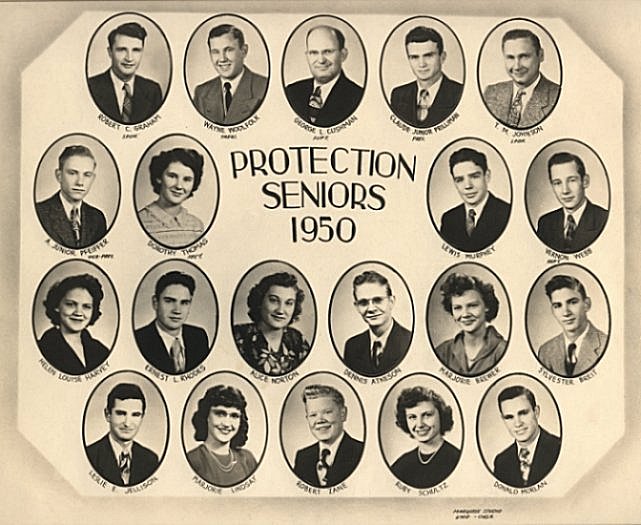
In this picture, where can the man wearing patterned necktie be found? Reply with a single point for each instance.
(168, 342)
(534, 451)
(580, 345)
(119, 92)
(578, 222)
(116, 456)
(65, 216)
(526, 99)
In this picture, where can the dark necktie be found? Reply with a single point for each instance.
(524, 463)
(470, 222)
(124, 465)
(227, 87)
(570, 360)
(75, 224)
(570, 229)
(127, 104)
(377, 353)
(315, 104)
(322, 467)
(514, 117)
(178, 356)
(423, 105)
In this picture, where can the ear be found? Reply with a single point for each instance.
(343, 414)
(244, 49)
(541, 55)
(585, 181)
(588, 303)
(344, 54)
(488, 175)
(537, 411)
(107, 415)
(154, 303)
(443, 56)
(392, 299)
(58, 174)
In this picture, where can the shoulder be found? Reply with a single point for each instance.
(357, 340)
(99, 79)
(145, 452)
(453, 213)
(207, 87)
(48, 204)
(97, 446)
(597, 211)
(299, 86)
(92, 210)
(499, 88)
(348, 86)
(195, 455)
(451, 85)
(598, 333)
(450, 451)
(307, 451)
(445, 348)
(409, 458)
(498, 204)
(399, 330)
(551, 442)
(146, 83)
(92, 343)
(194, 331)
(505, 454)
(546, 84)
(550, 216)
(257, 80)
(352, 443)
(246, 457)
(404, 90)
(243, 330)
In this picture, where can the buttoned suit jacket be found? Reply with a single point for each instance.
(250, 92)
(53, 218)
(342, 101)
(147, 98)
(153, 349)
(358, 354)
(144, 462)
(404, 103)
(507, 465)
(552, 353)
(489, 226)
(498, 99)
(348, 455)
(551, 228)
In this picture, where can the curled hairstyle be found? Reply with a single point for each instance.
(226, 396)
(370, 276)
(340, 37)
(188, 157)
(515, 391)
(468, 154)
(316, 391)
(175, 277)
(457, 284)
(227, 29)
(411, 397)
(563, 157)
(258, 292)
(422, 34)
(74, 151)
(513, 34)
(132, 29)
(60, 288)
(124, 391)
(559, 282)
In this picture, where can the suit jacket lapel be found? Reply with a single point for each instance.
(214, 101)
(590, 347)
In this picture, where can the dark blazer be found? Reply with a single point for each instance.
(53, 218)
(348, 455)
(153, 349)
(403, 102)
(144, 462)
(358, 355)
(550, 229)
(342, 101)
(489, 226)
(59, 354)
(498, 99)
(208, 99)
(147, 97)
(507, 466)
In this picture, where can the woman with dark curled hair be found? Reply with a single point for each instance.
(269, 344)
(175, 176)
(72, 305)
(221, 424)
(478, 346)
(424, 416)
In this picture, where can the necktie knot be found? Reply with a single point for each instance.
(227, 87)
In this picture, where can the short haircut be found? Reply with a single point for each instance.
(188, 157)
(512, 392)
(422, 34)
(457, 284)
(60, 288)
(259, 290)
(124, 391)
(513, 34)
(316, 391)
(468, 154)
(370, 276)
(226, 396)
(132, 29)
(563, 157)
(340, 37)
(411, 397)
(74, 151)
(175, 277)
(559, 282)
(226, 29)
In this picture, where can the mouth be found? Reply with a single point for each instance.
(175, 319)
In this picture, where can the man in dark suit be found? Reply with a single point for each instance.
(534, 451)
(384, 345)
(237, 92)
(118, 92)
(481, 218)
(167, 342)
(580, 344)
(329, 97)
(336, 454)
(116, 456)
(433, 96)
(65, 216)
(578, 223)
(526, 99)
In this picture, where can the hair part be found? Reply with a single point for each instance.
(558, 282)
(175, 277)
(186, 156)
(422, 34)
(564, 157)
(60, 288)
(226, 396)
(457, 284)
(259, 290)
(316, 391)
(411, 397)
(124, 391)
(226, 29)
(515, 391)
(515, 34)
(132, 29)
(468, 155)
